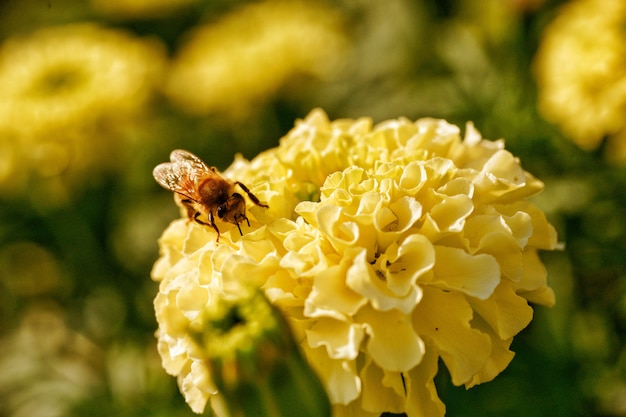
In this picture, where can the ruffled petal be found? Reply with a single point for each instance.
(499, 359)
(393, 343)
(444, 317)
(341, 339)
(383, 391)
(331, 295)
(421, 398)
(340, 376)
(475, 275)
(506, 312)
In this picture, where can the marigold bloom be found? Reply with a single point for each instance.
(234, 63)
(581, 70)
(386, 247)
(68, 75)
(62, 89)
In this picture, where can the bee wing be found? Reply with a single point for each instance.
(195, 165)
(180, 175)
(174, 177)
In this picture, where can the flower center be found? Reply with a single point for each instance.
(56, 81)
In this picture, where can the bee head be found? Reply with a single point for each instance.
(233, 210)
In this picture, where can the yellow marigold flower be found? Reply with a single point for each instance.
(62, 89)
(71, 75)
(240, 60)
(386, 247)
(581, 70)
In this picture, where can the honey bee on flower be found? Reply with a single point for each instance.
(203, 191)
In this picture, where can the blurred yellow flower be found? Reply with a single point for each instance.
(65, 89)
(239, 61)
(581, 70)
(75, 74)
(386, 247)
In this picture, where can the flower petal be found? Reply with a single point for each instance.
(499, 359)
(492, 235)
(362, 278)
(339, 376)
(404, 264)
(422, 399)
(379, 393)
(444, 317)
(475, 275)
(393, 342)
(331, 296)
(340, 338)
(506, 312)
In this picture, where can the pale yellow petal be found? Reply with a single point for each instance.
(191, 299)
(450, 214)
(402, 215)
(174, 358)
(543, 296)
(413, 178)
(506, 312)
(339, 376)
(380, 390)
(499, 359)
(422, 399)
(343, 233)
(172, 319)
(475, 275)
(544, 235)
(491, 235)
(341, 339)
(405, 263)
(444, 318)
(393, 343)
(331, 296)
(191, 386)
(363, 279)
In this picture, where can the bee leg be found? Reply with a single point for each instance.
(191, 211)
(197, 220)
(212, 223)
(239, 228)
(252, 197)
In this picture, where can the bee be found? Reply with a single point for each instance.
(201, 190)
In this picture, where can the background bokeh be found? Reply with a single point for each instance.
(95, 93)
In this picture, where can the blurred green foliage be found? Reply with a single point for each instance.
(76, 318)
